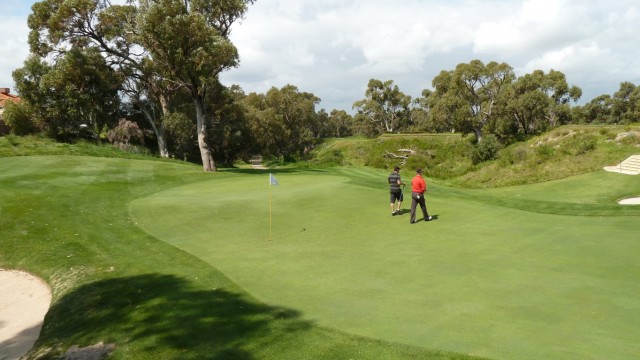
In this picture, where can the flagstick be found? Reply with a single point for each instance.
(270, 186)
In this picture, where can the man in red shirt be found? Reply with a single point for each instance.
(418, 187)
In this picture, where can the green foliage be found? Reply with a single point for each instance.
(607, 133)
(339, 123)
(441, 155)
(465, 98)
(585, 146)
(556, 154)
(486, 150)
(78, 90)
(182, 133)
(384, 106)
(545, 151)
(12, 140)
(283, 121)
(630, 138)
(19, 118)
(333, 157)
(579, 143)
(513, 155)
(11, 145)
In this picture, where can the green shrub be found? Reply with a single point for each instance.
(418, 161)
(585, 145)
(630, 138)
(333, 157)
(486, 150)
(607, 133)
(513, 155)
(545, 151)
(13, 140)
(377, 162)
(19, 118)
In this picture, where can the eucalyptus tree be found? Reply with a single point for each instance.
(78, 91)
(446, 110)
(467, 97)
(28, 116)
(188, 43)
(111, 29)
(160, 45)
(385, 106)
(537, 101)
(425, 110)
(231, 136)
(283, 120)
(626, 103)
(555, 85)
(598, 111)
(339, 122)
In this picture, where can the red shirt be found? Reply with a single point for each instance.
(418, 184)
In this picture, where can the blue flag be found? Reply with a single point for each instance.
(273, 180)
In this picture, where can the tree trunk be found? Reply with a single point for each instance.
(158, 130)
(162, 142)
(208, 164)
(478, 133)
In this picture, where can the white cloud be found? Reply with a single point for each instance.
(13, 48)
(333, 47)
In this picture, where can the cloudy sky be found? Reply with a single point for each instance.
(332, 48)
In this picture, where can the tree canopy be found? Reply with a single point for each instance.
(157, 63)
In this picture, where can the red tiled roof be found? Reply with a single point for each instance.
(5, 97)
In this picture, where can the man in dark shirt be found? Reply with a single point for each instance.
(395, 190)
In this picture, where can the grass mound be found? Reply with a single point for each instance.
(563, 152)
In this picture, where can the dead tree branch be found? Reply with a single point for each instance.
(403, 157)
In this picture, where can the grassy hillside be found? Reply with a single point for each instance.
(11, 145)
(563, 152)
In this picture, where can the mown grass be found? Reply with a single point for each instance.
(512, 272)
(524, 272)
(66, 219)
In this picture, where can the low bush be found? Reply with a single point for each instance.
(486, 150)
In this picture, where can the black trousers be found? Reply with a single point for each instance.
(418, 198)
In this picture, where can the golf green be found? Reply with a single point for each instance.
(518, 272)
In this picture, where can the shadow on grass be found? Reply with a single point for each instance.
(15, 347)
(273, 171)
(163, 316)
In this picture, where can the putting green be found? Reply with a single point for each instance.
(502, 273)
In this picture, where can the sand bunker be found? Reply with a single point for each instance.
(24, 301)
(630, 201)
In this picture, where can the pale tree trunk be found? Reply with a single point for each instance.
(159, 131)
(388, 127)
(162, 141)
(154, 121)
(208, 164)
(478, 132)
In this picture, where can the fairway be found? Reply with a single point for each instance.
(540, 271)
